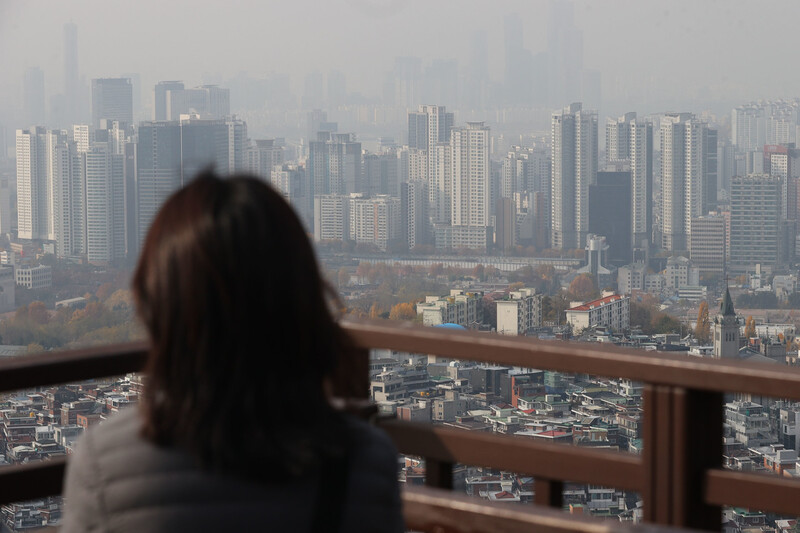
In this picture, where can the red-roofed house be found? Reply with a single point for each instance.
(610, 312)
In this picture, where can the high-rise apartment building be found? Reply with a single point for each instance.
(105, 203)
(331, 217)
(574, 168)
(112, 99)
(685, 164)
(67, 174)
(261, 156)
(33, 186)
(292, 182)
(375, 220)
(334, 164)
(414, 212)
(630, 141)
(429, 130)
(755, 221)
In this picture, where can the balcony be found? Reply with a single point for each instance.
(679, 475)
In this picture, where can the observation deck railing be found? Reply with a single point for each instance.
(679, 475)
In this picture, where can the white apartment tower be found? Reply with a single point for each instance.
(429, 130)
(574, 168)
(32, 184)
(471, 172)
(683, 174)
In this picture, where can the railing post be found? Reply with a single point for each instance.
(438, 474)
(697, 448)
(657, 494)
(682, 441)
(548, 492)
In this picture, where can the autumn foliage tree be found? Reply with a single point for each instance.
(403, 311)
(702, 330)
(749, 327)
(583, 288)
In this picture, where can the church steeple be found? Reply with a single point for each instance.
(726, 329)
(726, 307)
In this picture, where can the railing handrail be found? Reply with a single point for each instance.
(659, 368)
(682, 484)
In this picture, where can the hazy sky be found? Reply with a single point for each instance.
(729, 49)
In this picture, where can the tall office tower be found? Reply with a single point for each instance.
(477, 79)
(334, 164)
(748, 128)
(440, 82)
(105, 204)
(684, 174)
(331, 217)
(112, 99)
(313, 90)
(375, 220)
(336, 89)
(610, 213)
(158, 170)
(707, 244)
(136, 89)
(565, 54)
(72, 90)
(755, 221)
(261, 156)
(217, 143)
(414, 213)
(208, 102)
(160, 97)
(67, 177)
(381, 174)
(33, 96)
(574, 168)
(291, 181)
(403, 85)
(32, 184)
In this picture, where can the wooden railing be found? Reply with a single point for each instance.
(679, 476)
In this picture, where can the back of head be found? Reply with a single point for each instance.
(228, 288)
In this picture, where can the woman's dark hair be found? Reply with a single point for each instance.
(228, 288)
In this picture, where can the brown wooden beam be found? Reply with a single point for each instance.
(762, 492)
(517, 454)
(440, 511)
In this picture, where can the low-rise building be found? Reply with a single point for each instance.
(610, 312)
(34, 277)
(520, 312)
(460, 307)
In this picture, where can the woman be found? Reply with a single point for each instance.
(234, 431)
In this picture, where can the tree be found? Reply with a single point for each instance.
(104, 291)
(343, 277)
(583, 288)
(702, 330)
(437, 269)
(749, 327)
(403, 311)
(479, 272)
(37, 313)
